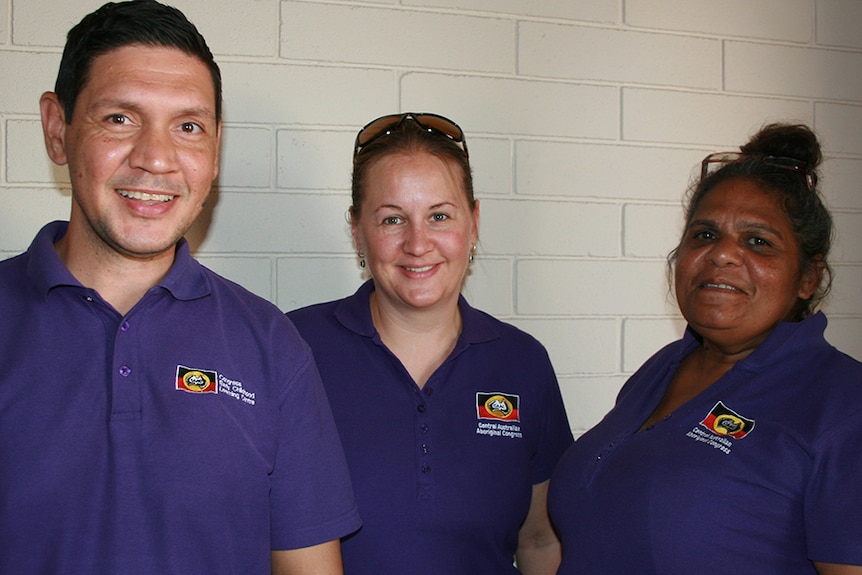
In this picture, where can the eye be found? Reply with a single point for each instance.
(118, 119)
(392, 220)
(191, 128)
(758, 242)
(439, 217)
(704, 235)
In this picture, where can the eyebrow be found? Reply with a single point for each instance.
(745, 225)
(124, 104)
(397, 207)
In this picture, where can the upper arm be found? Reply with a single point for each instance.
(538, 544)
(537, 526)
(836, 569)
(323, 559)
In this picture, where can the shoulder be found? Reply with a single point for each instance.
(17, 289)
(229, 293)
(242, 314)
(497, 347)
(655, 370)
(348, 316)
(811, 376)
(12, 269)
(318, 323)
(480, 326)
(831, 390)
(313, 313)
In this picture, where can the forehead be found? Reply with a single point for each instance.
(410, 173)
(136, 70)
(742, 197)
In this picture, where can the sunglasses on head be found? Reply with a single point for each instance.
(387, 124)
(714, 162)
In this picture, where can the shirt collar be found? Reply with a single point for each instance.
(44, 267)
(787, 340)
(185, 280)
(354, 313)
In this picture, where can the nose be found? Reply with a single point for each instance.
(154, 151)
(725, 252)
(417, 240)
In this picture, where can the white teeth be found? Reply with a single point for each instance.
(144, 196)
(419, 270)
(720, 286)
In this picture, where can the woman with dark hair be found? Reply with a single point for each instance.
(739, 447)
(452, 421)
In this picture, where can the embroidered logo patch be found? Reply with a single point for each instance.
(724, 421)
(196, 380)
(497, 406)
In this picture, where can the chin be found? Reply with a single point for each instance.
(714, 321)
(422, 300)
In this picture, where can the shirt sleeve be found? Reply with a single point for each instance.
(311, 499)
(556, 435)
(833, 505)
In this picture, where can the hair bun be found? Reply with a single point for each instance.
(795, 141)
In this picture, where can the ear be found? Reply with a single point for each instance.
(354, 231)
(475, 222)
(54, 127)
(811, 278)
(217, 152)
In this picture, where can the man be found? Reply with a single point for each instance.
(154, 417)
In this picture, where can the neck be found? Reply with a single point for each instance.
(120, 280)
(711, 364)
(420, 339)
(437, 322)
(719, 350)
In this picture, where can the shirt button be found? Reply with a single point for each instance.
(424, 448)
(428, 391)
(423, 428)
(124, 326)
(125, 370)
(426, 469)
(421, 408)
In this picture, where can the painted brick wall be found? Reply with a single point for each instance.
(585, 122)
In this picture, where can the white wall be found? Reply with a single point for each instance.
(585, 120)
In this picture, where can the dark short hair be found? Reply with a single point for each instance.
(802, 203)
(119, 24)
(408, 137)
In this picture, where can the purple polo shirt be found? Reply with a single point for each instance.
(442, 475)
(190, 436)
(759, 473)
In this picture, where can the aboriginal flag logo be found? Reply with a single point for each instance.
(497, 406)
(196, 380)
(724, 421)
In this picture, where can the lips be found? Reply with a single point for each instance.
(722, 286)
(145, 196)
(419, 270)
(719, 286)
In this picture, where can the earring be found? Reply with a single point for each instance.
(472, 252)
(361, 259)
